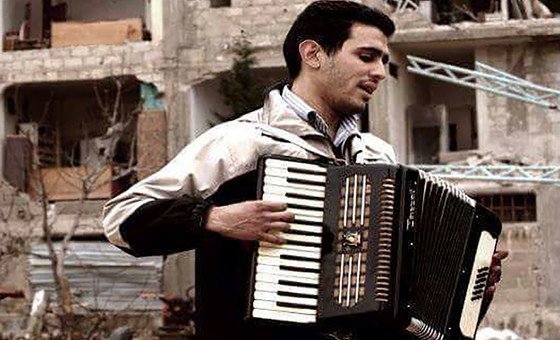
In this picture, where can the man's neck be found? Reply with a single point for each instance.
(310, 94)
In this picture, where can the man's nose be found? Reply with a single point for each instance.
(378, 70)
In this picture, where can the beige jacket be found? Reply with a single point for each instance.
(233, 149)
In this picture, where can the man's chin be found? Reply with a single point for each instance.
(356, 109)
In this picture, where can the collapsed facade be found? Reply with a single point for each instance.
(161, 62)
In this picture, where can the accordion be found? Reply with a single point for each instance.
(377, 242)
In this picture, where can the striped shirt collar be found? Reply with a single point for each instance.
(348, 125)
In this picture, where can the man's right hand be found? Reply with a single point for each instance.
(251, 220)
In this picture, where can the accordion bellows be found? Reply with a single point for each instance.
(384, 243)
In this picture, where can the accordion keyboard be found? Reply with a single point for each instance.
(287, 275)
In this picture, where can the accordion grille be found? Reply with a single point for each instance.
(442, 226)
(385, 224)
(352, 240)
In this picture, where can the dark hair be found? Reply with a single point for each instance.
(328, 22)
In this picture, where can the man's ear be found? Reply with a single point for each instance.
(309, 51)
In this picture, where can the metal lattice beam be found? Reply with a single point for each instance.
(488, 79)
(401, 5)
(496, 173)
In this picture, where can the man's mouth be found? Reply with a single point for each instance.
(368, 87)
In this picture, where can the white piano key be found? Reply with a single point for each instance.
(291, 200)
(284, 173)
(275, 270)
(283, 191)
(297, 187)
(274, 287)
(290, 263)
(272, 306)
(277, 163)
(306, 228)
(277, 252)
(309, 215)
(272, 278)
(301, 238)
(283, 316)
(268, 296)
(291, 246)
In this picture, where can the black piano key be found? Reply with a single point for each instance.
(305, 171)
(305, 181)
(301, 243)
(295, 305)
(299, 220)
(303, 207)
(303, 196)
(298, 258)
(298, 284)
(299, 269)
(298, 295)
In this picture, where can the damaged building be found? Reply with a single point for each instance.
(75, 74)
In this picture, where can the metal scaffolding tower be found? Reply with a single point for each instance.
(496, 173)
(488, 79)
(495, 81)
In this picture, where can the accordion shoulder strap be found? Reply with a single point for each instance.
(273, 132)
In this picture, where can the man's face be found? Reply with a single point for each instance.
(349, 77)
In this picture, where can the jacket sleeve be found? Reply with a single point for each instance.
(165, 226)
(166, 212)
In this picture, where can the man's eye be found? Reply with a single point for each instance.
(385, 60)
(366, 57)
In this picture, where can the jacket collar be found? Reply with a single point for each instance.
(277, 114)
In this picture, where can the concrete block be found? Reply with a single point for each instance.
(80, 51)
(102, 50)
(73, 62)
(99, 73)
(52, 76)
(112, 60)
(262, 2)
(60, 52)
(141, 46)
(70, 75)
(153, 56)
(54, 63)
(14, 66)
(134, 58)
(85, 75)
(23, 77)
(6, 57)
(234, 12)
(34, 54)
(33, 65)
(93, 61)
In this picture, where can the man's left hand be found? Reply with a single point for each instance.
(495, 274)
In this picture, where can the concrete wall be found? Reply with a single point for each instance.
(504, 122)
(142, 59)
(527, 300)
(389, 105)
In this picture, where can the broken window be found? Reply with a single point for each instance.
(517, 207)
(78, 132)
(220, 3)
(445, 12)
(43, 23)
(208, 103)
(441, 116)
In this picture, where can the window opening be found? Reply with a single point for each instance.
(220, 3)
(511, 207)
